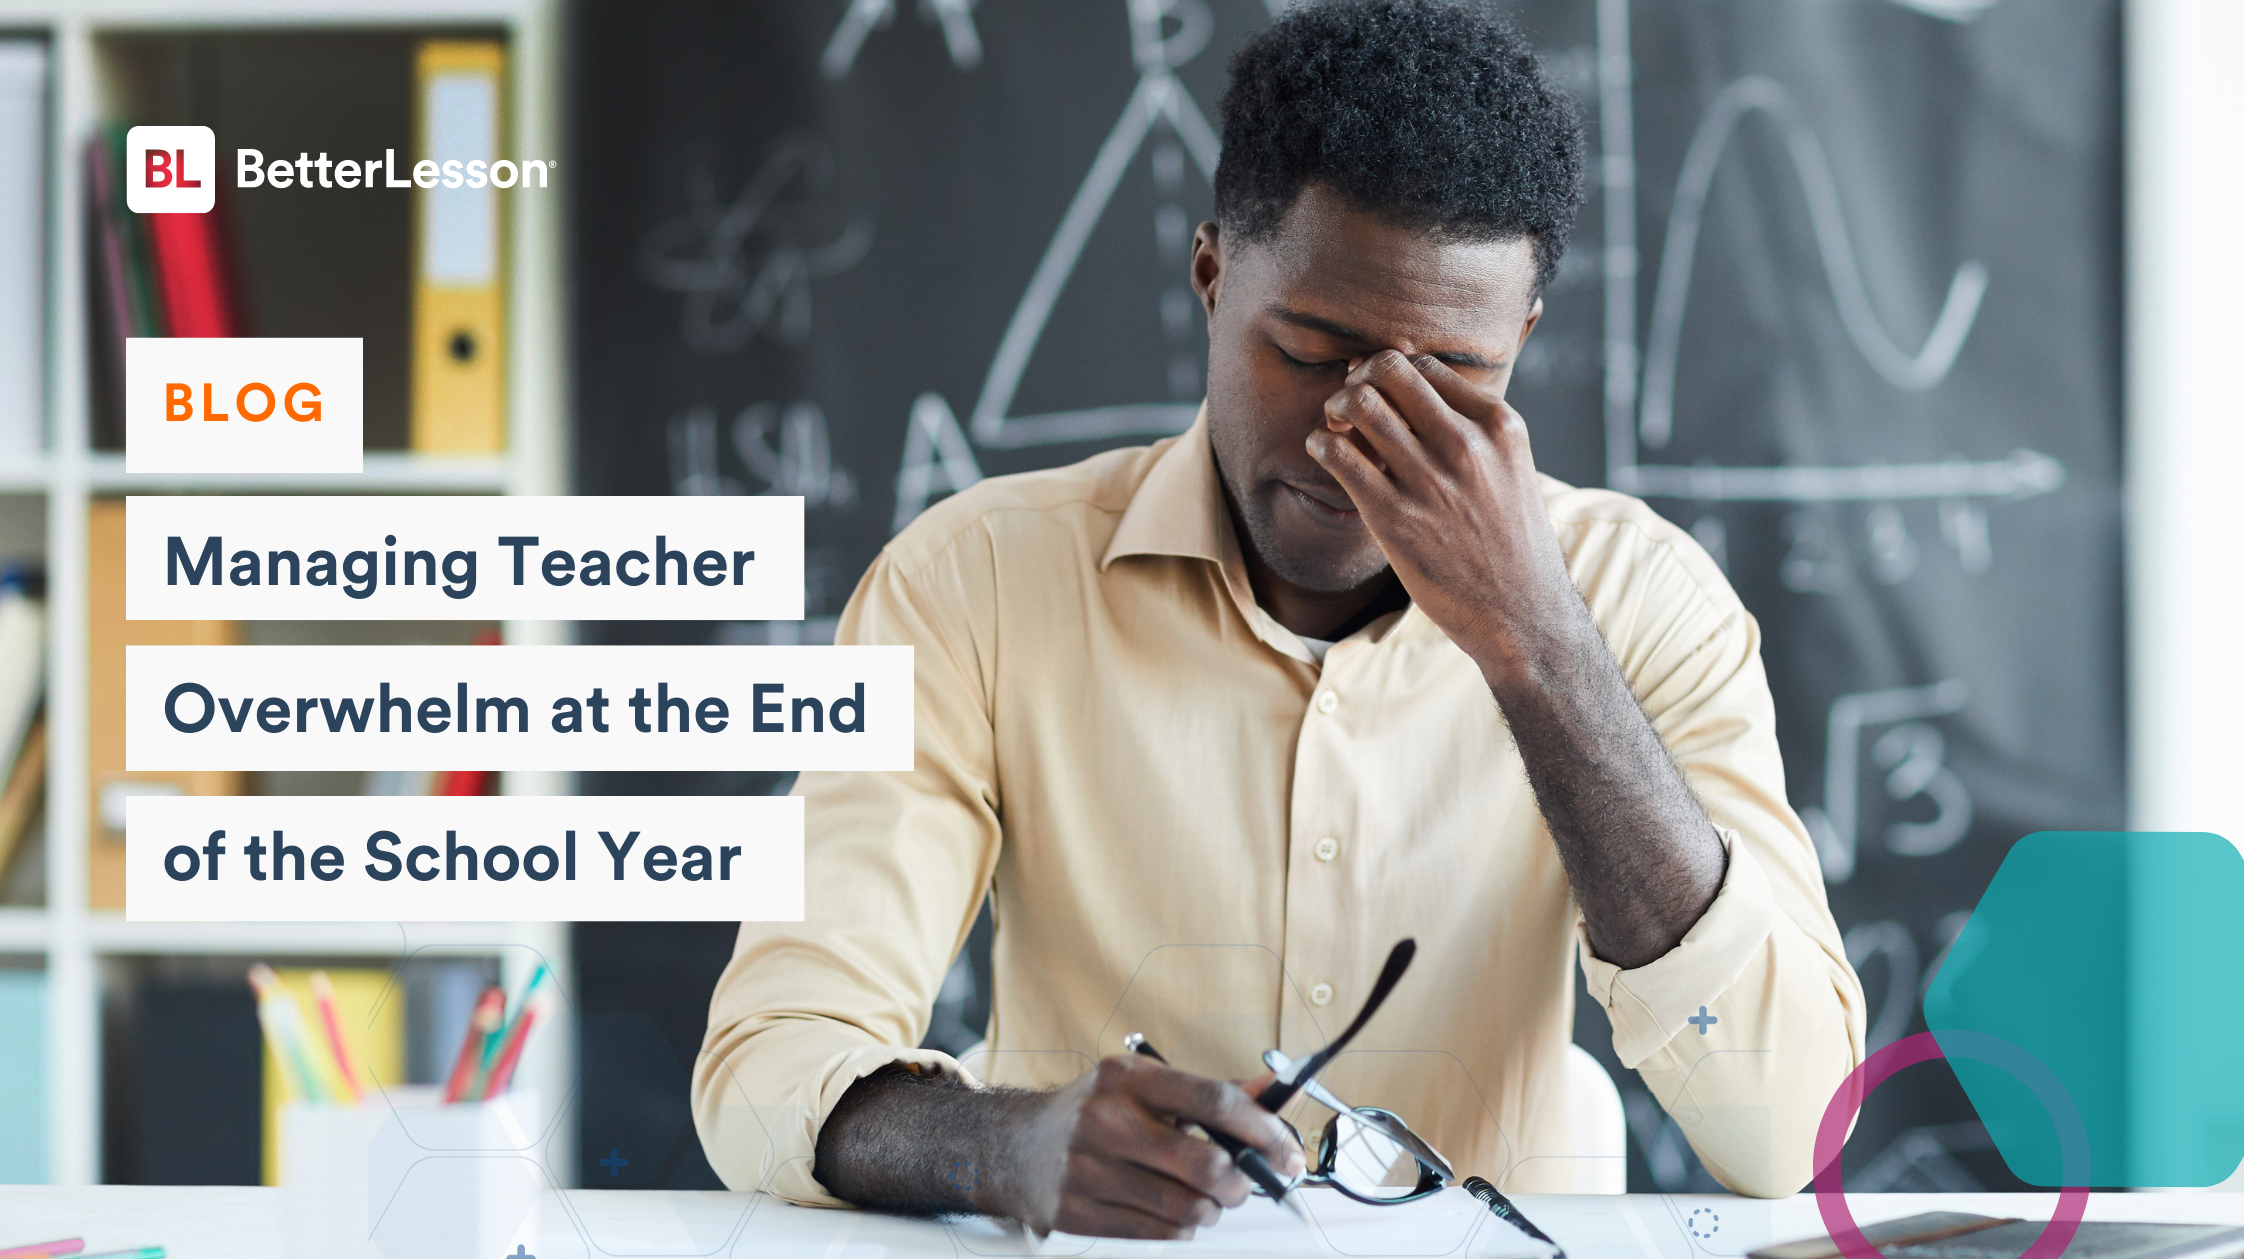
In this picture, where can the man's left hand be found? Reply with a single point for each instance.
(1441, 470)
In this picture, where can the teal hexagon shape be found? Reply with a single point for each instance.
(2117, 960)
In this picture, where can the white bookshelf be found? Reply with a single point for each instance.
(386, 472)
(71, 939)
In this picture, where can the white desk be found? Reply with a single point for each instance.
(195, 1223)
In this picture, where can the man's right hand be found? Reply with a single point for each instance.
(1110, 1155)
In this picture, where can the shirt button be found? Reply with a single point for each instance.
(1327, 848)
(1327, 702)
(1320, 994)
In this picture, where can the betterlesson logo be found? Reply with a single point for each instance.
(171, 170)
(252, 170)
(174, 170)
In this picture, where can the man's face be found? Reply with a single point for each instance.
(1287, 316)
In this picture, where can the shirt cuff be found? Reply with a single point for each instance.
(1650, 1005)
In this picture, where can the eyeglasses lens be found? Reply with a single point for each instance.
(1367, 1162)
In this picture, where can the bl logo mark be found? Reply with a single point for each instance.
(171, 170)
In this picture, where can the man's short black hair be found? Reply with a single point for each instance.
(1429, 114)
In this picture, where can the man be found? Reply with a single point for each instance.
(1218, 721)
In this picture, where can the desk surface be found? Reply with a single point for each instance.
(234, 1223)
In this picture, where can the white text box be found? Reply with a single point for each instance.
(664, 708)
(244, 404)
(464, 858)
(441, 557)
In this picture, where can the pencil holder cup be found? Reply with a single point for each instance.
(407, 1177)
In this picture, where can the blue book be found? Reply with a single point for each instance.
(23, 1077)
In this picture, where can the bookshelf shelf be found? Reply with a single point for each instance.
(111, 934)
(386, 473)
(230, 15)
(28, 931)
(94, 51)
(23, 931)
(25, 475)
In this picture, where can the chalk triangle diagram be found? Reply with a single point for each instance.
(937, 458)
(1158, 97)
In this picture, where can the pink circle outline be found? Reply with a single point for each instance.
(1831, 1137)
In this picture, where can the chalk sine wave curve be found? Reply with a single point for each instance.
(1758, 93)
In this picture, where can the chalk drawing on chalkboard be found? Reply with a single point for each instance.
(692, 436)
(802, 460)
(746, 265)
(1891, 940)
(956, 17)
(1951, 10)
(1956, 482)
(2021, 474)
(1160, 110)
(1841, 268)
(1920, 1160)
(936, 460)
(1913, 756)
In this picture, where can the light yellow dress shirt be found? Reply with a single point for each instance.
(1194, 831)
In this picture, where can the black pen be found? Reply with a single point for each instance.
(1248, 1158)
(1502, 1208)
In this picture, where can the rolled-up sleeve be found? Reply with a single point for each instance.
(895, 867)
(1745, 1029)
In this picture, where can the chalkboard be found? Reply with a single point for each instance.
(1843, 302)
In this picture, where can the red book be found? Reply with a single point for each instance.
(471, 782)
(114, 297)
(190, 265)
(465, 782)
(116, 301)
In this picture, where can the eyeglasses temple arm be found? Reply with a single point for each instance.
(1280, 1092)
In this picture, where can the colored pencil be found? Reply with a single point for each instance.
(503, 1074)
(490, 1012)
(145, 1252)
(45, 1250)
(531, 990)
(284, 1031)
(320, 1087)
(323, 992)
(495, 1046)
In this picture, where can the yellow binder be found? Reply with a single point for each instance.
(107, 635)
(459, 291)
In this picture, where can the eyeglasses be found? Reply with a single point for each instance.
(1370, 1155)
(1366, 1153)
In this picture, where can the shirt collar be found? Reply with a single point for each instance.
(1179, 509)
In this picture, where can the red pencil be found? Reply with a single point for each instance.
(503, 1072)
(45, 1250)
(323, 992)
(490, 1008)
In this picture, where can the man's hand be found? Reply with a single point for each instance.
(1441, 470)
(1110, 1157)
(1107, 1155)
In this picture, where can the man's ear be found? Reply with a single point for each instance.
(1534, 313)
(1207, 265)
